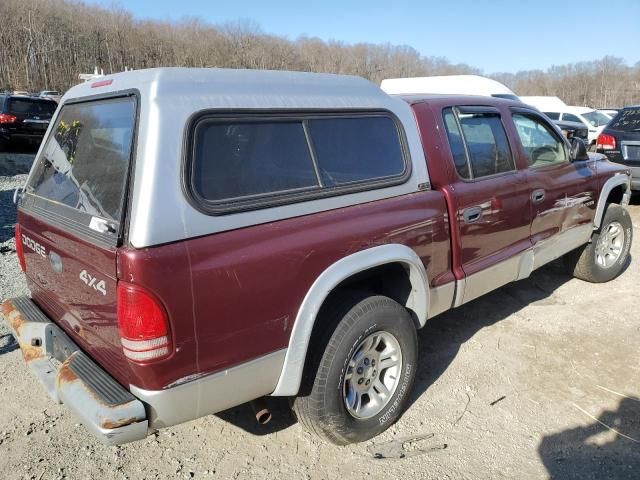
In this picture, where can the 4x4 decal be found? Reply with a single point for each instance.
(93, 282)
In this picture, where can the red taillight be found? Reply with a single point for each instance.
(6, 118)
(143, 322)
(606, 142)
(19, 249)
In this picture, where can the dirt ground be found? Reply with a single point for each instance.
(539, 379)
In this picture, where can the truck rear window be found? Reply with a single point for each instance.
(31, 106)
(628, 120)
(85, 159)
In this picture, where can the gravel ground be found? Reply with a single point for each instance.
(536, 380)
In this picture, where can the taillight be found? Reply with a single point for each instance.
(19, 249)
(143, 323)
(606, 142)
(6, 118)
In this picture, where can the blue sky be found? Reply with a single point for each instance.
(494, 35)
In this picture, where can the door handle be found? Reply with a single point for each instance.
(537, 196)
(472, 214)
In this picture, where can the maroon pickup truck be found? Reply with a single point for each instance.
(194, 239)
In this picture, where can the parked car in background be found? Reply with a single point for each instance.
(194, 239)
(21, 93)
(611, 112)
(24, 119)
(573, 129)
(556, 109)
(620, 142)
(50, 94)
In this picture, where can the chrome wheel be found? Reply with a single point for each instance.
(373, 374)
(610, 244)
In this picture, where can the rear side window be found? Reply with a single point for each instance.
(553, 115)
(32, 107)
(86, 157)
(356, 149)
(628, 120)
(235, 160)
(243, 164)
(484, 140)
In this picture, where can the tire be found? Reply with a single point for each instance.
(589, 262)
(324, 410)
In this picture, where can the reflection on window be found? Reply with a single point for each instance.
(542, 147)
(84, 163)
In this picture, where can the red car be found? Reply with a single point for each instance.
(194, 239)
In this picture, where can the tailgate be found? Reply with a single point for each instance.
(70, 223)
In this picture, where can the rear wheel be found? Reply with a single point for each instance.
(606, 256)
(364, 375)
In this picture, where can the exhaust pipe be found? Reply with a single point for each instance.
(261, 411)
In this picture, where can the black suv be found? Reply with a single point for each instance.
(620, 141)
(24, 119)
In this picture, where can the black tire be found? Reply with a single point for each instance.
(322, 409)
(582, 263)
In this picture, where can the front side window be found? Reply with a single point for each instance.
(541, 145)
(85, 160)
(245, 164)
(483, 139)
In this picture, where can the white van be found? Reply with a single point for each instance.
(448, 84)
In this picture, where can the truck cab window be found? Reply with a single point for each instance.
(540, 144)
(480, 139)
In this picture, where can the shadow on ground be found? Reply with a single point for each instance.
(440, 340)
(606, 448)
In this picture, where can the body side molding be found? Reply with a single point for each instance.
(418, 302)
(610, 184)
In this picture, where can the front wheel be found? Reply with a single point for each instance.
(365, 374)
(605, 257)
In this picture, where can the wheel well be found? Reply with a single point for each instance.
(616, 195)
(391, 280)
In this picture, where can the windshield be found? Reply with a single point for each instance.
(596, 118)
(85, 160)
(628, 120)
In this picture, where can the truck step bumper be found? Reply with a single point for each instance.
(69, 376)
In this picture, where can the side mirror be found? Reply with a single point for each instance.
(578, 150)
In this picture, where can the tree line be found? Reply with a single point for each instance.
(45, 44)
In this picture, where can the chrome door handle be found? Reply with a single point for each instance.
(537, 196)
(472, 214)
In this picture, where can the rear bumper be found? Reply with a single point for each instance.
(112, 413)
(107, 409)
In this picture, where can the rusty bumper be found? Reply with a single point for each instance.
(108, 410)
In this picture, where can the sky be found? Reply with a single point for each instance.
(495, 36)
